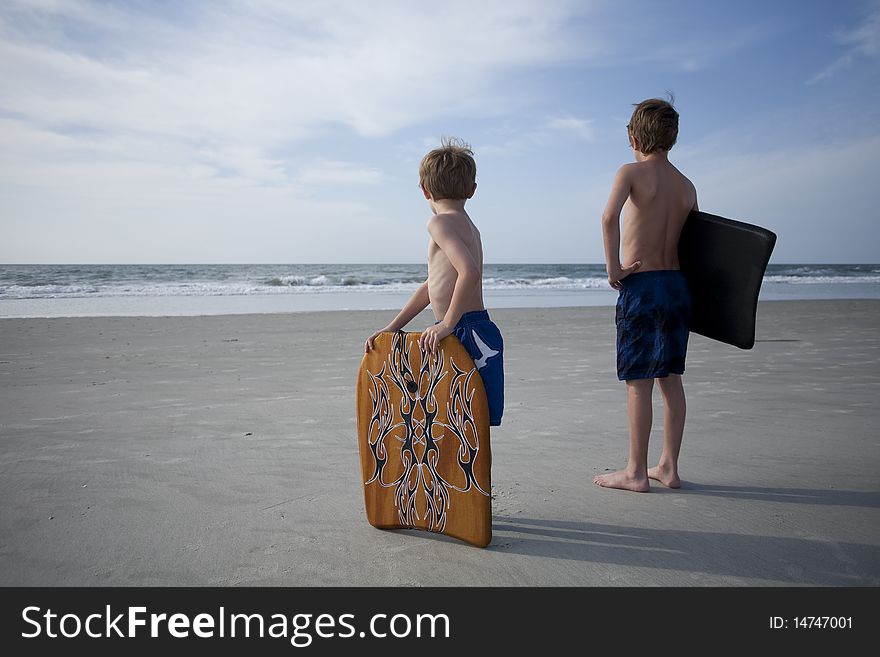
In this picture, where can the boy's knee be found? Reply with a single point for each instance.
(671, 382)
(640, 385)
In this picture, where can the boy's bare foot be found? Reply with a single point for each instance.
(665, 476)
(623, 480)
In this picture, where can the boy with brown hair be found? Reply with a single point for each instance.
(654, 305)
(454, 287)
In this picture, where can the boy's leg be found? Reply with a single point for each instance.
(674, 412)
(635, 476)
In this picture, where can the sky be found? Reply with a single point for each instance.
(270, 131)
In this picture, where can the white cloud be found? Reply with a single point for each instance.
(199, 118)
(580, 128)
(548, 132)
(337, 173)
(269, 72)
(862, 41)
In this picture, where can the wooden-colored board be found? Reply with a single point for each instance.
(423, 435)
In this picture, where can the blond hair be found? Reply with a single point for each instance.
(449, 172)
(654, 124)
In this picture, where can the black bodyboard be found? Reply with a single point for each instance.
(724, 262)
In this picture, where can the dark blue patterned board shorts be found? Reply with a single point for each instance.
(653, 316)
(482, 340)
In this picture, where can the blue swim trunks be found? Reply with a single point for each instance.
(653, 317)
(482, 340)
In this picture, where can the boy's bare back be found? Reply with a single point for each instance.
(460, 234)
(660, 199)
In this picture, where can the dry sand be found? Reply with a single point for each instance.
(222, 451)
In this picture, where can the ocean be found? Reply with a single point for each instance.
(156, 290)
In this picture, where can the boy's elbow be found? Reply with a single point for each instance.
(608, 219)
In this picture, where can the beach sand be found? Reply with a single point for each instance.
(222, 451)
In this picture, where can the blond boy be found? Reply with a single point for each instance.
(454, 287)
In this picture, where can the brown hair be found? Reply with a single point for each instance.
(654, 124)
(449, 172)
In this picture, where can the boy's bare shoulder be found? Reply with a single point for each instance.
(687, 180)
(629, 172)
(442, 221)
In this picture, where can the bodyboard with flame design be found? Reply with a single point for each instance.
(423, 435)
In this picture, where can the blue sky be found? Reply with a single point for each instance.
(275, 131)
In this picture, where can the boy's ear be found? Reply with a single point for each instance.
(426, 193)
(634, 143)
(473, 191)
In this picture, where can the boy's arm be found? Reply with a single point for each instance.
(416, 304)
(450, 243)
(620, 191)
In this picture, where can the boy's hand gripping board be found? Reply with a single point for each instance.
(423, 434)
(724, 262)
